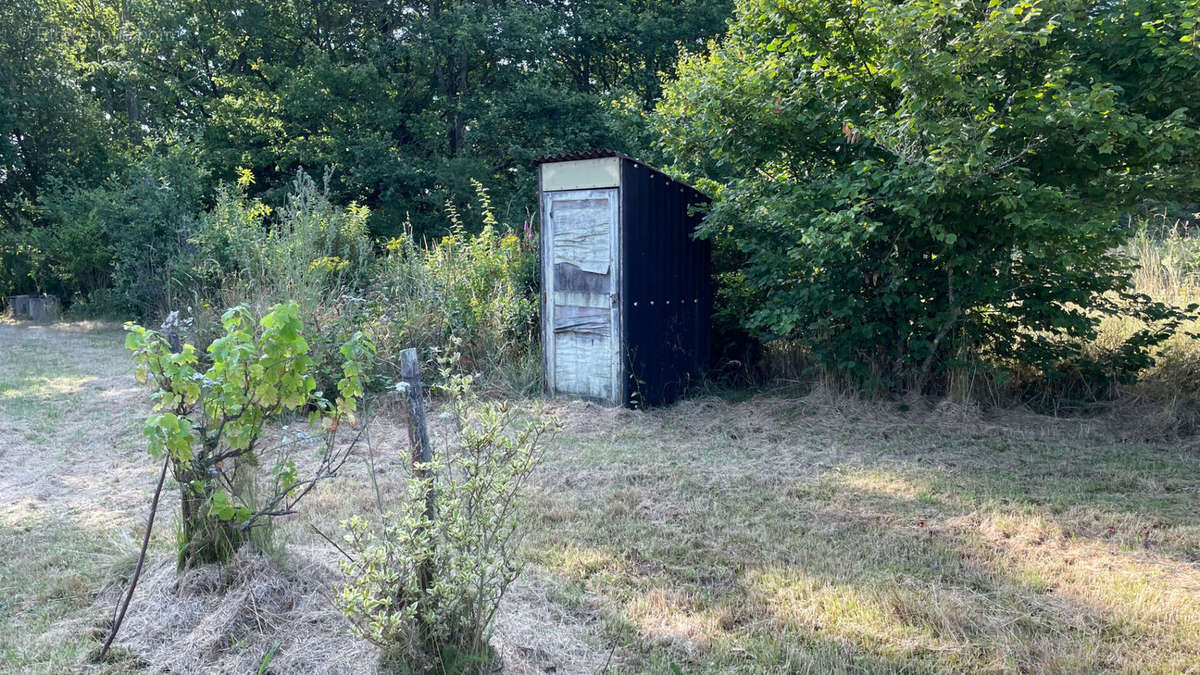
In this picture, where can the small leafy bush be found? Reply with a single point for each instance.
(210, 424)
(425, 586)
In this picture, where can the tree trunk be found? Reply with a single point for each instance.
(203, 537)
(131, 93)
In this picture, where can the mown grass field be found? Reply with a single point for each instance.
(814, 534)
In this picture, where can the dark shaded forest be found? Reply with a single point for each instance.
(108, 104)
(902, 193)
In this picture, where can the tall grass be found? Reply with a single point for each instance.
(473, 293)
(1166, 251)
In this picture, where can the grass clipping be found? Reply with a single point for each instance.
(232, 618)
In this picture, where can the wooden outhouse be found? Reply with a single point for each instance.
(626, 289)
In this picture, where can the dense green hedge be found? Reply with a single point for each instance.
(915, 189)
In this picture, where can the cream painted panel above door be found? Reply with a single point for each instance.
(582, 174)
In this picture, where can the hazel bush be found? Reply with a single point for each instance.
(211, 423)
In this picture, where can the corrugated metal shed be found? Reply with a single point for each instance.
(627, 296)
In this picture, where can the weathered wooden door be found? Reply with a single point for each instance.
(580, 278)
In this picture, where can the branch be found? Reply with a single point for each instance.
(955, 311)
(137, 572)
(331, 463)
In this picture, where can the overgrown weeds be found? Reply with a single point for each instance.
(479, 283)
(1166, 252)
(479, 288)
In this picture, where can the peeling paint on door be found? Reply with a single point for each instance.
(581, 322)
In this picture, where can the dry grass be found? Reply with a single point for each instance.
(73, 496)
(1167, 255)
(824, 535)
(72, 480)
(772, 535)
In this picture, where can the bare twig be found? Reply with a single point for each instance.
(321, 534)
(371, 467)
(332, 460)
(609, 659)
(137, 572)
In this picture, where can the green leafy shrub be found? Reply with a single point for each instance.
(424, 586)
(113, 248)
(227, 246)
(210, 423)
(912, 196)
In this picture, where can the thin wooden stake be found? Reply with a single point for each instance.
(418, 430)
(137, 572)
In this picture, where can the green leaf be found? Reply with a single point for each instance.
(221, 507)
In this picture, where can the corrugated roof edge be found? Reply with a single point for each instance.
(597, 153)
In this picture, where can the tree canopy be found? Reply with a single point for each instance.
(913, 186)
(407, 102)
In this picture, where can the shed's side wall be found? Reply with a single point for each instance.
(666, 296)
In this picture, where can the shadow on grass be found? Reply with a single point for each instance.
(794, 549)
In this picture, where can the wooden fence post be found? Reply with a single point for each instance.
(418, 431)
(418, 437)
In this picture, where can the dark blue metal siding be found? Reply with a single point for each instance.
(666, 295)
